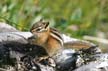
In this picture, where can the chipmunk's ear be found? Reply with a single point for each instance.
(46, 24)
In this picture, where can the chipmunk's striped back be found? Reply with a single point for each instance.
(57, 35)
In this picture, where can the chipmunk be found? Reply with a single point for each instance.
(51, 39)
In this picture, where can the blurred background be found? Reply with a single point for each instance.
(76, 18)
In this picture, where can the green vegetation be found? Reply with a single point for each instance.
(73, 17)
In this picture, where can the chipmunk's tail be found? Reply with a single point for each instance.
(79, 45)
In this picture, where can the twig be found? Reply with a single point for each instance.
(97, 39)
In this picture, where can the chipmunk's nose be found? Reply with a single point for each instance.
(32, 39)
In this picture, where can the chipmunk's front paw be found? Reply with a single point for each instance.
(47, 61)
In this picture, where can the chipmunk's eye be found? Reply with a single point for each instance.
(38, 29)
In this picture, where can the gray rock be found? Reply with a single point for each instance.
(7, 28)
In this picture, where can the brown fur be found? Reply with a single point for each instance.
(52, 46)
(43, 38)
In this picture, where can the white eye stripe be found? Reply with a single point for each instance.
(39, 28)
(42, 30)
